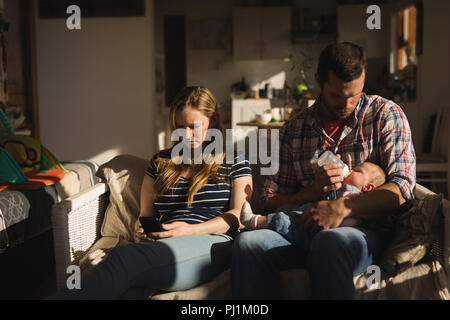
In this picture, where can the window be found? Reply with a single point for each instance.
(406, 37)
(406, 46)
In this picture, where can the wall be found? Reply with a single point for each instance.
(16, 82)
(352, 27)
(216, 68)
(433, 87)
(96, 86)
(433, 68)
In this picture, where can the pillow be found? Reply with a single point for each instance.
(415, 231)
(124, 175)
(99, 251)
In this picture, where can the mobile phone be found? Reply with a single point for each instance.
(150, 224)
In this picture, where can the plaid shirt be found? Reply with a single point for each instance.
(377, 131)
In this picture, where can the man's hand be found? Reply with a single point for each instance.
(328, 177)
(325, 214)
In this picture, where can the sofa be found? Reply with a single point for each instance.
(25, 212)
(416, 264)
(26, 230)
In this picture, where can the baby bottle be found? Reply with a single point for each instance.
(328, 157)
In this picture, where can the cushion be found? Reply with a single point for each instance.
(68, 186)
(415, 231)
(423, 281)
(99, 251)
(124, 175)
(218, 288)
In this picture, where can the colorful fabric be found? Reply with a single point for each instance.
(5, 126)
(37, 179)
(10, 170)
(25, 150)
(27, 210)
(49, 161)
(35, 165)
(378, 131)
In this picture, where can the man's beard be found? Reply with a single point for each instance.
(331, 113)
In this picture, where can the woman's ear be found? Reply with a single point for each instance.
(368, 187)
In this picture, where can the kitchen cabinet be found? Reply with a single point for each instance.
(243, 110)
(352, 27)
(262, 33)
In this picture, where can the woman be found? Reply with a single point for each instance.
(198, 206)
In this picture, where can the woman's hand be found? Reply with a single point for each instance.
(139, 234)
(174, 229)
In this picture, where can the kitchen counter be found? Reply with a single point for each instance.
(269, 125)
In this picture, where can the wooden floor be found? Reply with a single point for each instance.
(28, 271)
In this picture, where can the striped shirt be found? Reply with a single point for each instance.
(210, 201)
(377, 131)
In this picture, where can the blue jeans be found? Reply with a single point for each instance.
(332, 257)
(140, 270)
(289, 224)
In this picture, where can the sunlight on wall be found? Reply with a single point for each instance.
(105, 156)
(162, 140)
(276, 81)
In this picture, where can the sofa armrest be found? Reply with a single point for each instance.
(442, 249)
(421, 192)
(76, 223)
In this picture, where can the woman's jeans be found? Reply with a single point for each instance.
(332, 257)
(140, 270)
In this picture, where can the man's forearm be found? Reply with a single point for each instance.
(303, 196)
(376, 204)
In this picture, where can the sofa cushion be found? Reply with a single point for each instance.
(422, 281)
(217, 289)
(124, 175)
(99, 251)
(415, 232)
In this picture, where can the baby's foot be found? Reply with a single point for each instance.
(248, 218)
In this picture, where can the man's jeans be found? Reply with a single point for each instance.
(333, 257)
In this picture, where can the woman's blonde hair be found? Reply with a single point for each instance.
(169, 173)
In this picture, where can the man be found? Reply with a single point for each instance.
(359, 128)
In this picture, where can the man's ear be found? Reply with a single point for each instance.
(318, 81)
(368, 187)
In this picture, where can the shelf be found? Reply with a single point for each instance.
(269, 125)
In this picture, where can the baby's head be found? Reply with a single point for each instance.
(366, 176)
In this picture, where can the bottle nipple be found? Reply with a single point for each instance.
(345, 171)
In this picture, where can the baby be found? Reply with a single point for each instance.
(363, 178)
